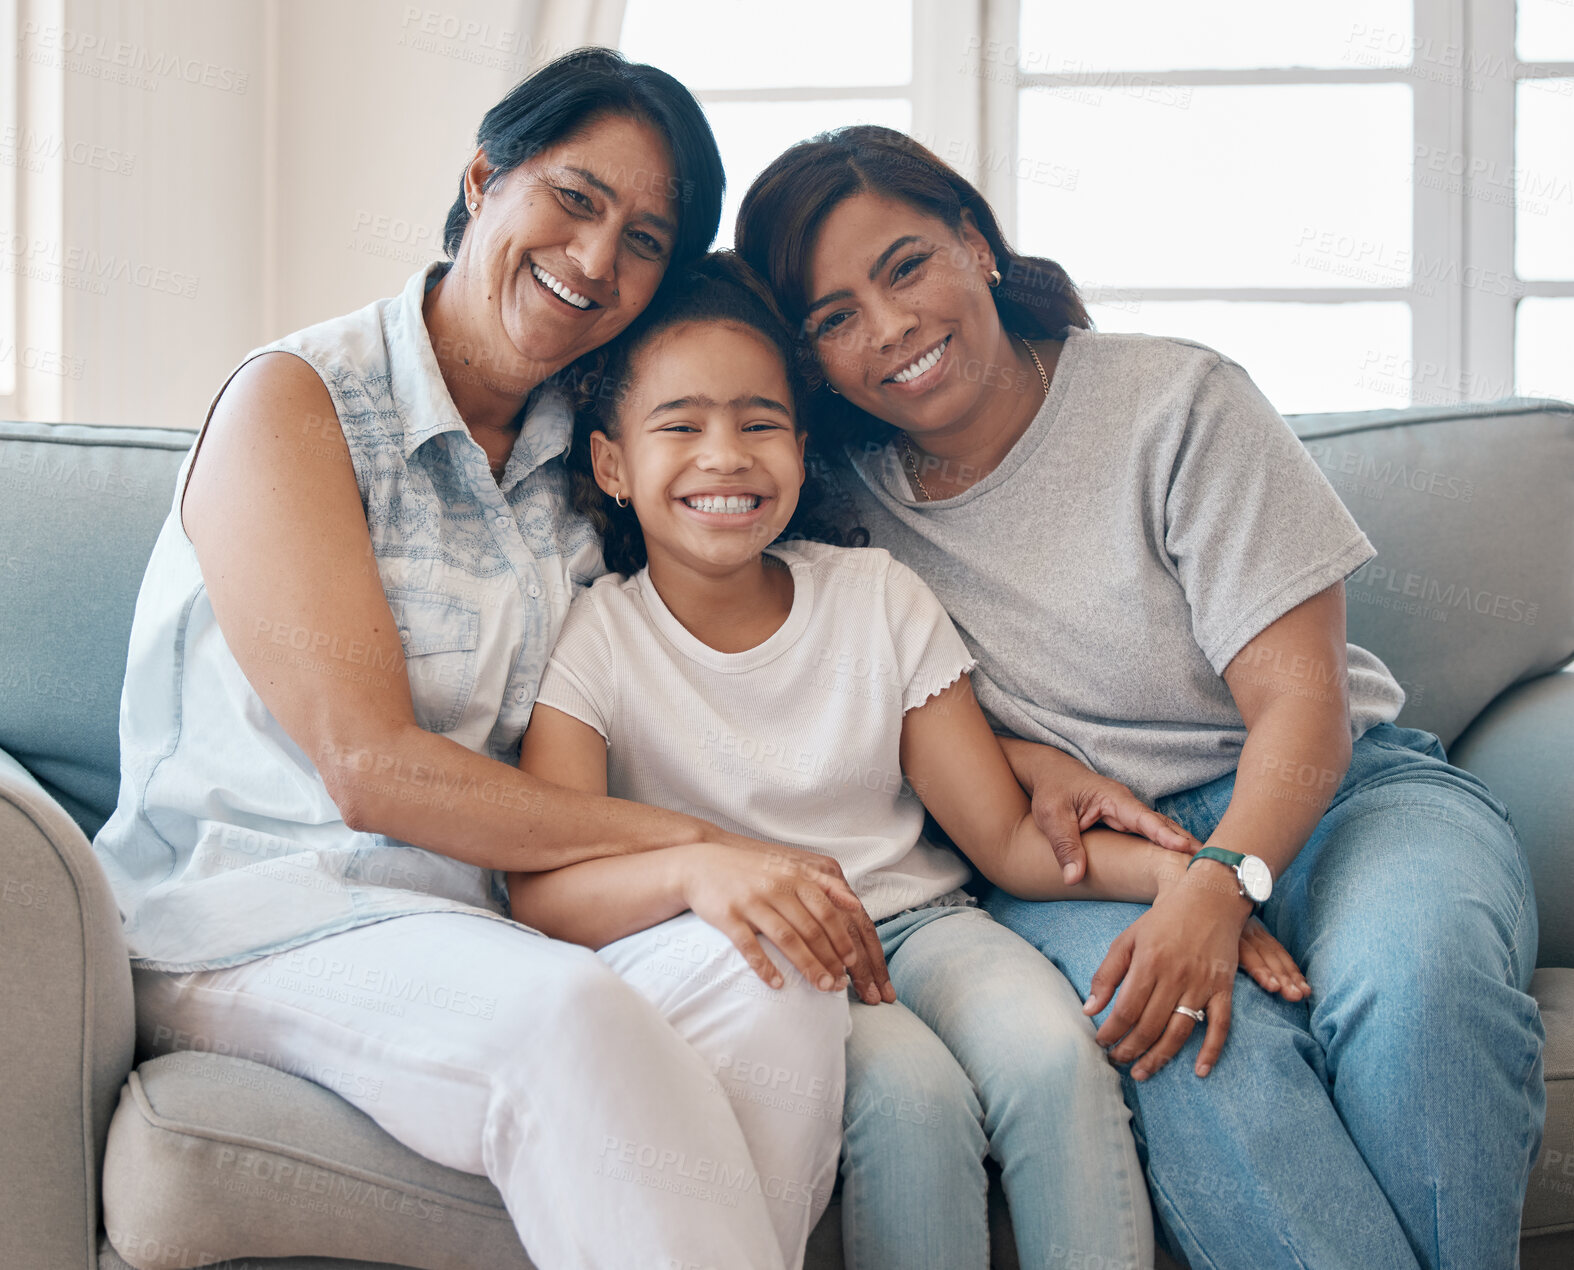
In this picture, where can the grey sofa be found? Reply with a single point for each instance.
(195, 1158)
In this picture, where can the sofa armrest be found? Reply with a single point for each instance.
(1522, 746)
(67, 1027)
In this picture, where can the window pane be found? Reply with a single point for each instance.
(1543, 179)
(809, 43)
(1294, 185)
(1543, 336)
(1063, 37)
(1546, 31)
(1362, 351)
(752, 133)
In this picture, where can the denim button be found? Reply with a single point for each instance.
(404, 635)
(503, 522)
(534, 591)
(522, 695)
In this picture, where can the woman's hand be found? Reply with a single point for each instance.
(1182, 951)
(1270, 965)
(1069, 797)
(797, 899)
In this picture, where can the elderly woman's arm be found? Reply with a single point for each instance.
(274, 512)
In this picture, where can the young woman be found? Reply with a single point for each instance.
(801, 692)
(1149, 570)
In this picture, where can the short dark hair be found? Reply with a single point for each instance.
(782, 214)
(565, 96)
(718, 288)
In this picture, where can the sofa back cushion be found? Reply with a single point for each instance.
(80, 507)
(1471, 509)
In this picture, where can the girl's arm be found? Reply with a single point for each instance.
(797, 899)
(957, 767)
(960, 773)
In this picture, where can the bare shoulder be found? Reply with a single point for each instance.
(274, 437)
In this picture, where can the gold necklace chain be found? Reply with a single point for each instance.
(907, 442)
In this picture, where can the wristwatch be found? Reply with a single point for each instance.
(1253, 874)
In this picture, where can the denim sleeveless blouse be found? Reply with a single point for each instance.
(225, 845)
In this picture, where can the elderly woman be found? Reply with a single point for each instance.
(1150, 572)
(336, 649)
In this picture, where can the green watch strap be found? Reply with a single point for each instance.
(1231, 858)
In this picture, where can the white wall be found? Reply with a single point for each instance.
(219, 174)
(378, 106)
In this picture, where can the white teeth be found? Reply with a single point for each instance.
(547, 280)
(731, 504)
(921, 365)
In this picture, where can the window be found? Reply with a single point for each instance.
(767, 75)
(770, 75)
(13, 155)
(1368, 203)
(1542, 174)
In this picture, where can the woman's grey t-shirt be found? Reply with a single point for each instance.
(1156, 515)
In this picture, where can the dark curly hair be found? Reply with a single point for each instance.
(718, 287)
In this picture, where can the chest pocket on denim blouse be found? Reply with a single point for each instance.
(439, 635)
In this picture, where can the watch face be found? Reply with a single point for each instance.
(1256, 878)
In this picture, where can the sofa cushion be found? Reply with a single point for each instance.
(212, 1157)
(1549, 1201)
(80, 507)
(1471, 509)
(1522, 746)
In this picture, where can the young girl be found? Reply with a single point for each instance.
(817, 696)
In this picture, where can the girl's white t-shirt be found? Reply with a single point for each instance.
(794, 741)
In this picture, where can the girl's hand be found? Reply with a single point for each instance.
(798, 900)
(1182, 951)
(1068, 798)
(1268, 962)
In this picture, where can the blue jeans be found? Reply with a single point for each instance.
(986, 1052)
(1392, 1120)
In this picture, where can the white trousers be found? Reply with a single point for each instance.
(653, 1105)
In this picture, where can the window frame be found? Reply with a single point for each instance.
(10, 218)
(1462, 334)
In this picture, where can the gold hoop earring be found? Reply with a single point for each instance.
(620, 500)
(994, 277)
(832, 387)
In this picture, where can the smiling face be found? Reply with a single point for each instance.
(570, 246)
(706, 448)
(900, 314)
